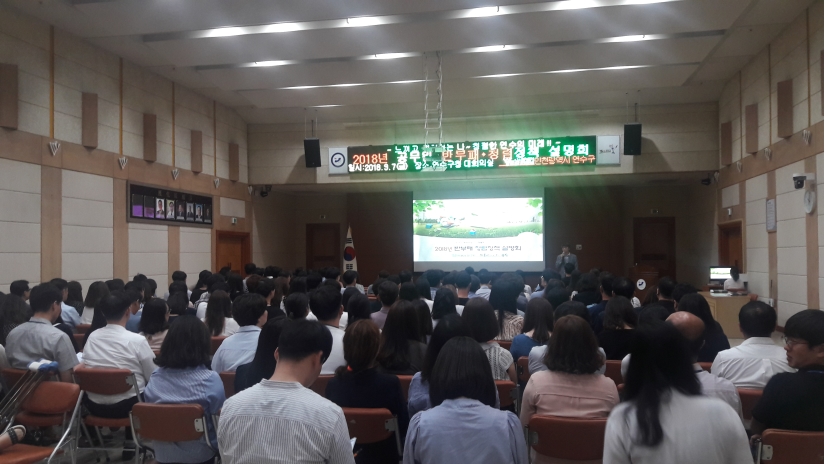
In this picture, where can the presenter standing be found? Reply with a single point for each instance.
(564, 258)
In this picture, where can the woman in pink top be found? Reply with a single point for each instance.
(570, 387)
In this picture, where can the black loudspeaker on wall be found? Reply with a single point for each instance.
(632, 139)
(312, 153)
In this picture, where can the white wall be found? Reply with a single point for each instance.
(757, 245)
(87, 221)
(196, 252)
(148, 252)
(791, 244)
(19, 222)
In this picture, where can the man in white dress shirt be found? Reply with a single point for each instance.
(325, 303)
(758, 358)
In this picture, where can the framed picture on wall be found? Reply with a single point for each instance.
(148, 207)
(208, 214)
(170, 209)
(158, 205)
(199, 213)
(160, 208)
(137, 205)
(180, 210)
(190, 211)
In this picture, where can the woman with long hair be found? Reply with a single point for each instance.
(184, 377)
(716, 339)
(402, 351)
(444, 303)
(539, 323)
(620, 320)
(463, 423)
(263, 363)
(14, 312)
(95, 292)
(154, 323)
(359, 384)
(219, 315)
(75, 295)
(503, 296)
(479, 319)
(664, 416)
(297, 306)
(358, 308)
(425, 322)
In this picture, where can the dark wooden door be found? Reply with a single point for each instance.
(731, 245)
(323, 246)
(232, 249)
(655, 244)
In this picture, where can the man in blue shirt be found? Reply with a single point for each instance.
(67, 313)
(606, 287)
(250, 312)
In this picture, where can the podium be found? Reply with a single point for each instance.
(726, 311)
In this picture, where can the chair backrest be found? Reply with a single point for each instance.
(507, 393)
(522, 370)
(52, 398)
(567, 438)
(11, 376)
(506, 344)
(706, 366)
(169, 422)
(105, 381)
(790, 447)
(320, 384)
(369, 425)
(79, 340)
(82, 328)
(405, 381)
(613, 370)
(215, 343)
(228, 378)
(748, 400)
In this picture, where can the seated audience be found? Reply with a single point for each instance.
(619, 324)
(402, 351)
(249, 311)
(444, 303)
(475, 285)
(665, 292)
(570, 387)
(281, 419)
(425, 322)
(544, 278)
(74, 297)
(217, 284)
(536, 358)
(154, 323)
(218, 318)
(716, 340)
(624, 287)
(135, 310)
(539, 322)
(462, 282)
(587, 290)
(423, 287)
(297, 306)
(794, 400)
(13, 312)
(388, 293)
(20, 289)
(178, 277)
(479, 320)
(408, 292)
(97, 290)
(597, 311)
(236, 285)
(200, 287)
(758, 358)
(325, 303)
(503, 298)
(274, 295)
(179, 305)
(263, 364)
(681, 290)
(358, 308)
(664, 418)
(184, 377)
(651, 317)
(463, 426)
(359, 384)
(692, 328)
(38, 339)
(68, 314)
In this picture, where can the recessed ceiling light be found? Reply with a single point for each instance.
(226, 32)
(264, 64)
(281, 27)
(482, 12)
(362, 21)
(392, 56)
(325, 106)
(489, 48)
(328, 86)
(630, 38)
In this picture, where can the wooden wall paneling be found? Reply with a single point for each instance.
(150, 137)
(371, 231)
(77, 158)
(725, 143)
(120, 230)
(751, 128)
(89, 124)
(9, 91)
(771, 194)
(785, 109)
(51, 223)
(234, 163)
(173, 251)
(197, 150)
(21, 146)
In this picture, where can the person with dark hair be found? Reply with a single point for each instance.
(179, 281)
(546, 276)
(68, 314)
(462, 282)
(236, 285)
(14, 312)
(664, 416)
(680, 290)
(408, 292)
(250, 312)
(425, 322)
(536, 358)
(423, 287)
(474, 287)
(200, 287)
(297, 306)
(539, 323)
(177, 287)
(757, 359)
(734, 284)
(479, 320)
(597, 311)
(115, 284)
(184, 377)
(503, 297)
(587, 290)
(135, 297)
(360, 384)
(565, 258)
(262, 365)
(665, 290)
(249, 270)
(434, 279)
(444, 303)
(214, 282)
(556, 296)
(620, 322)
(715, 339)
(692, 328)
(485, 279)
(97, 290)
(179, 304)
(266, 288)
(358, 308)
(39, 339)
(388, 294)
(313, 281)
(150, 288)
(280, 419)
(154, 323)
(405, 276)
(463, 423)
(218, 317)
(402, 351)
(325, 304)
(20, 289)
(350, 278)
(623, 286)
(571, 386)
(74, 297)
(794, 400)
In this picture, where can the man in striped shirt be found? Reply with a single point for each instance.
(280, 420)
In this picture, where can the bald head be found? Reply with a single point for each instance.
(689, 325)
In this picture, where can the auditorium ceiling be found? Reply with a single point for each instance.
(366, 60)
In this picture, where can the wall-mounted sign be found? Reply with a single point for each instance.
(156, 205)
(472, 156)
(771, 215)
(337, 159)
(608, 149)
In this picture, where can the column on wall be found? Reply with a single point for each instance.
(195, 252)
(19, 222)
(791, 244)
(148, 248)
(757, 243)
